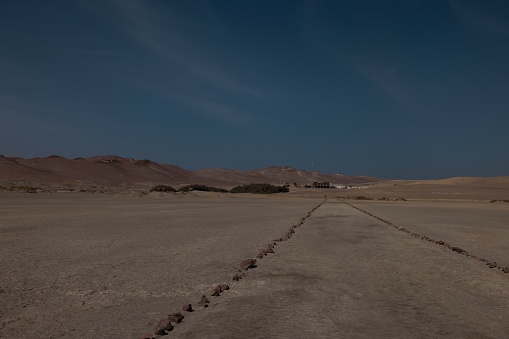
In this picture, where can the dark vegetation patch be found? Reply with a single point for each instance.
(162, 188)
(259, 189)
(251, 188)
(202, 188)
(506, 201)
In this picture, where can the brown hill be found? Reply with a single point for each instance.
(98, 170)
(115, 171)
(275, 174)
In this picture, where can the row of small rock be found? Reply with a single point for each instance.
(251, 263)
(165, 325)
(490, 264)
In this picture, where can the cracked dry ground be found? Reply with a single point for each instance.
(346, 275)
(342, 274)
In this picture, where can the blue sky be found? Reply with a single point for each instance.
(394, 89)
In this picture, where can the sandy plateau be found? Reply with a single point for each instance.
(83, 265)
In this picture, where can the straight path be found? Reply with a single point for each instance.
(346, 275)
(480, 228)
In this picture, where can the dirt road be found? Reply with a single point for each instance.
(82, 266)
(346, 275)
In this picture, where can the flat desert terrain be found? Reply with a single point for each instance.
(81, 265)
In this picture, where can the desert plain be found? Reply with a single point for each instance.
(84, 265)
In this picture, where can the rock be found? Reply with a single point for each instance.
(204, 301)
(163, 326)
(247, 264)
(492, 264)
(505, 270)
(160, 331)
(261, 254)
(457, 249)
(175, 317)
(269, 250)
(187, 308)
(217, 291)
(238, 276)
(224, 287)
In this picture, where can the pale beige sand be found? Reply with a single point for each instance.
(479, 228)
(347, 275)
(83, 265)
(461, 189)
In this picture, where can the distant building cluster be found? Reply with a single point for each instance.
(326, 185)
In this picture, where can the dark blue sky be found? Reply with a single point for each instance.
(394, 89)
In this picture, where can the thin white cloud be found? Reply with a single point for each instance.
(385, 78)
(474, 15)
(167, 37)
(148, 28)
(226, 113)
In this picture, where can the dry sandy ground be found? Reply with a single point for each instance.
(81, 265)
(347, 275)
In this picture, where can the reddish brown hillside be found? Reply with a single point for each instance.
(275, 174)
(116, 171)
(101, 170)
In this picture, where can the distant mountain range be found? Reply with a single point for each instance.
(126, 172)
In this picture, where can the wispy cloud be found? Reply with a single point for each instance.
(475, 15)
(386, 78)
(170, 38)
